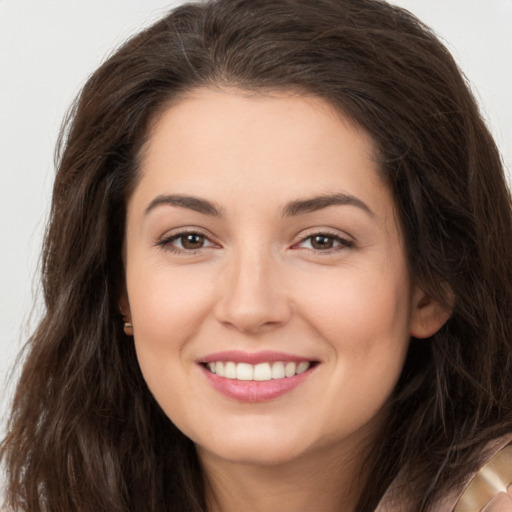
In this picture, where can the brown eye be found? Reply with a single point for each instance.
(191, 241)
(322, 242)
(186, 242)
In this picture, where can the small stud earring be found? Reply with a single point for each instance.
(128, 329)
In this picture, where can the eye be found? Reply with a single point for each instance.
(186, 242)
(324, 242)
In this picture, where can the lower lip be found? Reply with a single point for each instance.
(253, 390)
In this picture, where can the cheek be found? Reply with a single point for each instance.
(365, 324)
(166, 303)
(166, 306)
(364, 320)
(359, 309)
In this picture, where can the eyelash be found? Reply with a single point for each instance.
(344, 243)
(167, 242)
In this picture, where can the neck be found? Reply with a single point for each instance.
(329, 481)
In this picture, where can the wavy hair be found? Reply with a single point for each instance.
(85, 433)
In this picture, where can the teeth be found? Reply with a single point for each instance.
(289, 369)
(230, 370)
(244, 371)
(258, 372)
(302, 367)
(278, 370)
(262, 371)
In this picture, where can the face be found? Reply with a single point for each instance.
(266, 278)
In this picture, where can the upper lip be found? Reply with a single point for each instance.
(238, 356)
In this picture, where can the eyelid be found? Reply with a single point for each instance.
(345, 241)
(165, 241)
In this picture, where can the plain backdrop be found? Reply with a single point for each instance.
(49, 48)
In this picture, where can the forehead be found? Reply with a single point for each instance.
(254, 111)
(229, 145)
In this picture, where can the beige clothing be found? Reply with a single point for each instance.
(490, 490)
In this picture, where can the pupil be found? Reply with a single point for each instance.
(192, 241)
(322, 242)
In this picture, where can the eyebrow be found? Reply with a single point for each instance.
(298, 207)
(191, 203)
(314, 204)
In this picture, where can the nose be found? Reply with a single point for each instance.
(253, 296)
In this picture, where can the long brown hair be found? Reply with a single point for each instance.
(85, 433)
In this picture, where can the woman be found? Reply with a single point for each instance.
(277, 274)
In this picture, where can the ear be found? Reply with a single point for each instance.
(124, 307)
(427, 315)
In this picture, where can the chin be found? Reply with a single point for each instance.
(251, 456)
(256, 450)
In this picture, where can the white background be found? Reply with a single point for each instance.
(48, 49)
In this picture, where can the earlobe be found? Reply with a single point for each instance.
(427, 315)
(128, 328)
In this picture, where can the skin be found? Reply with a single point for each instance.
(258, 283)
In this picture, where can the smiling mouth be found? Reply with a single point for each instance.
(258, 372)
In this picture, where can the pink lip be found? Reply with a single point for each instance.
(254, 391)
(237, 356)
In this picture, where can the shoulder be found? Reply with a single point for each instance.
(490, 490)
